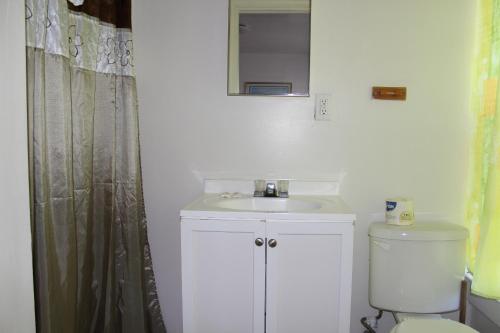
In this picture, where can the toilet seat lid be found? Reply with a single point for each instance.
(432, 326)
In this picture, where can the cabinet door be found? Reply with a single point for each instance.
(309, 277)
(223, 276)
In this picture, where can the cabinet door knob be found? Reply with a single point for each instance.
(272, 243)
(259, 242)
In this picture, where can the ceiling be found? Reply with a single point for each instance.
(274, 33)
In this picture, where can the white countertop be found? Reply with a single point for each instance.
(332, 209)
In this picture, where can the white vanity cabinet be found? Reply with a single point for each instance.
(309, 275)
(223, 276)
(266, 274)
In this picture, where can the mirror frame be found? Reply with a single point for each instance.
(236, 7)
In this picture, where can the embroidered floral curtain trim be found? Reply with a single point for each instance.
(88, 42)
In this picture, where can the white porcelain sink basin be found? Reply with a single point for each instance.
(266, 204)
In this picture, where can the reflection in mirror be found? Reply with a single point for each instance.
(269, 47)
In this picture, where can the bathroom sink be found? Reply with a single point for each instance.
(266, 204)
(234, 200)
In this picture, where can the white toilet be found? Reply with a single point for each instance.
(416, 272)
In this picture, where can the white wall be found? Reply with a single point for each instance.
(16, 275)
(275, 67)
(191, 129)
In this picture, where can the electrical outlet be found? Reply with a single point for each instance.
(323, 108)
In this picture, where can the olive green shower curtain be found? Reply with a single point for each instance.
(92, 264)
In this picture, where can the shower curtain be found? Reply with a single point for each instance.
(92, 263)
(483, 212)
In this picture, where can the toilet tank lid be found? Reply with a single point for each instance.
(423, 231)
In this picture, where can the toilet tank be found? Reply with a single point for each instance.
(416, 268)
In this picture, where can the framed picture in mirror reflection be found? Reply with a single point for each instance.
(268, 88)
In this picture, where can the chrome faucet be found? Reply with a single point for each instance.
(271, 189)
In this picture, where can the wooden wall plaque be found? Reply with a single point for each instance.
(389, 93)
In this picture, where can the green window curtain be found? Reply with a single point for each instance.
(483, 211)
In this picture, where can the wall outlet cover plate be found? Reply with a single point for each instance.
(323, 107)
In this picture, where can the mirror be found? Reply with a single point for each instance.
(269, 47)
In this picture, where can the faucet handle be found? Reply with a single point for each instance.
(260, 187)
(283, 188)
